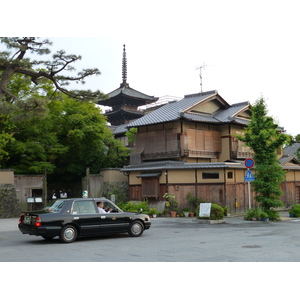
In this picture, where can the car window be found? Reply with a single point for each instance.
(56, 206)
(109, 207)
(84, 207)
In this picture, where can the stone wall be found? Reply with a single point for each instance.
(9, 206)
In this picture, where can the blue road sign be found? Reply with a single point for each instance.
(249, 176)
(249, 163)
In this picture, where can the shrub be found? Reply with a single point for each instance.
(253, 213)
(216, 212)
(249, 214)
(194, 201)
(134, 206)
(153, 211)
(295, 210)
(273, 215)
(226, 210)
(264, 215)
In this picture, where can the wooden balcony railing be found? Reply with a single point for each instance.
(201, 153)
(239, 154)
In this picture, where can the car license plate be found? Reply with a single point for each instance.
(27, 219)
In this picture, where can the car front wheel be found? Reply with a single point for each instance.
(68, 234)
(136, 228)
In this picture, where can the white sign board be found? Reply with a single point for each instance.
(204, 209)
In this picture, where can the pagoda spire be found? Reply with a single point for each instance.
(124, 69)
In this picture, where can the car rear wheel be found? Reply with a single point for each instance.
(68, 234)
(136, 228)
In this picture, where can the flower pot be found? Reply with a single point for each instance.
(186, 213)
(192, 214)
(173, 214)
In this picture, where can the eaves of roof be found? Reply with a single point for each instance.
(289, 158)
(121, 129)
(121, 110)
(130, 93)
(170, 165)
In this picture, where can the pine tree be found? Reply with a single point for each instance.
(264, 138)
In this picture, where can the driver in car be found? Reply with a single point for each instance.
(102, 210)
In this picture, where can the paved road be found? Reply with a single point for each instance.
(168, 240)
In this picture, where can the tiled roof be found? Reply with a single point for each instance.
(289, 162)
(121, 129)
(155, 166)
(176, 110)
(131, 93)
(291, 150)
(177, 165)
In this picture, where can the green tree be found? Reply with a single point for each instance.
(43, 125)
(297, 138)
(26, 84)
(71, 137)
(82, 129)
(38, 70)
(264, 138)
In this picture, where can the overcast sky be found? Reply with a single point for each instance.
(250, 49)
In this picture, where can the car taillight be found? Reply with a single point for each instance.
(38, 222)
(21, 218)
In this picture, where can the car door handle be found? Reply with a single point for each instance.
(76, 218)
(103, 217)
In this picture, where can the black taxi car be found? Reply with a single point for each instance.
(78, 217)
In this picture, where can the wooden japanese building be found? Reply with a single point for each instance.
(190, 146)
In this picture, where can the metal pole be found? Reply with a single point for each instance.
(249, 195)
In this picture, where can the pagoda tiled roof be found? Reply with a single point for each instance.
(128, 91)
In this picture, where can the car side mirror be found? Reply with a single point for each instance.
(141, 210)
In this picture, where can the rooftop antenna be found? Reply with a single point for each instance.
(200, 74)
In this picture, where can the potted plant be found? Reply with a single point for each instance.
(295, 211)
(264, 216)
(273, 215)
(171, 204)
(191, 214)
(185, 212)
(249, 214)
(153, 212)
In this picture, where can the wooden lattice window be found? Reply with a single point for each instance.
(204, 140)
(150, 187)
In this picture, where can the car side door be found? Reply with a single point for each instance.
(113, 221)
(85, 215)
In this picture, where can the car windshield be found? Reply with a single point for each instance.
(57, 206)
